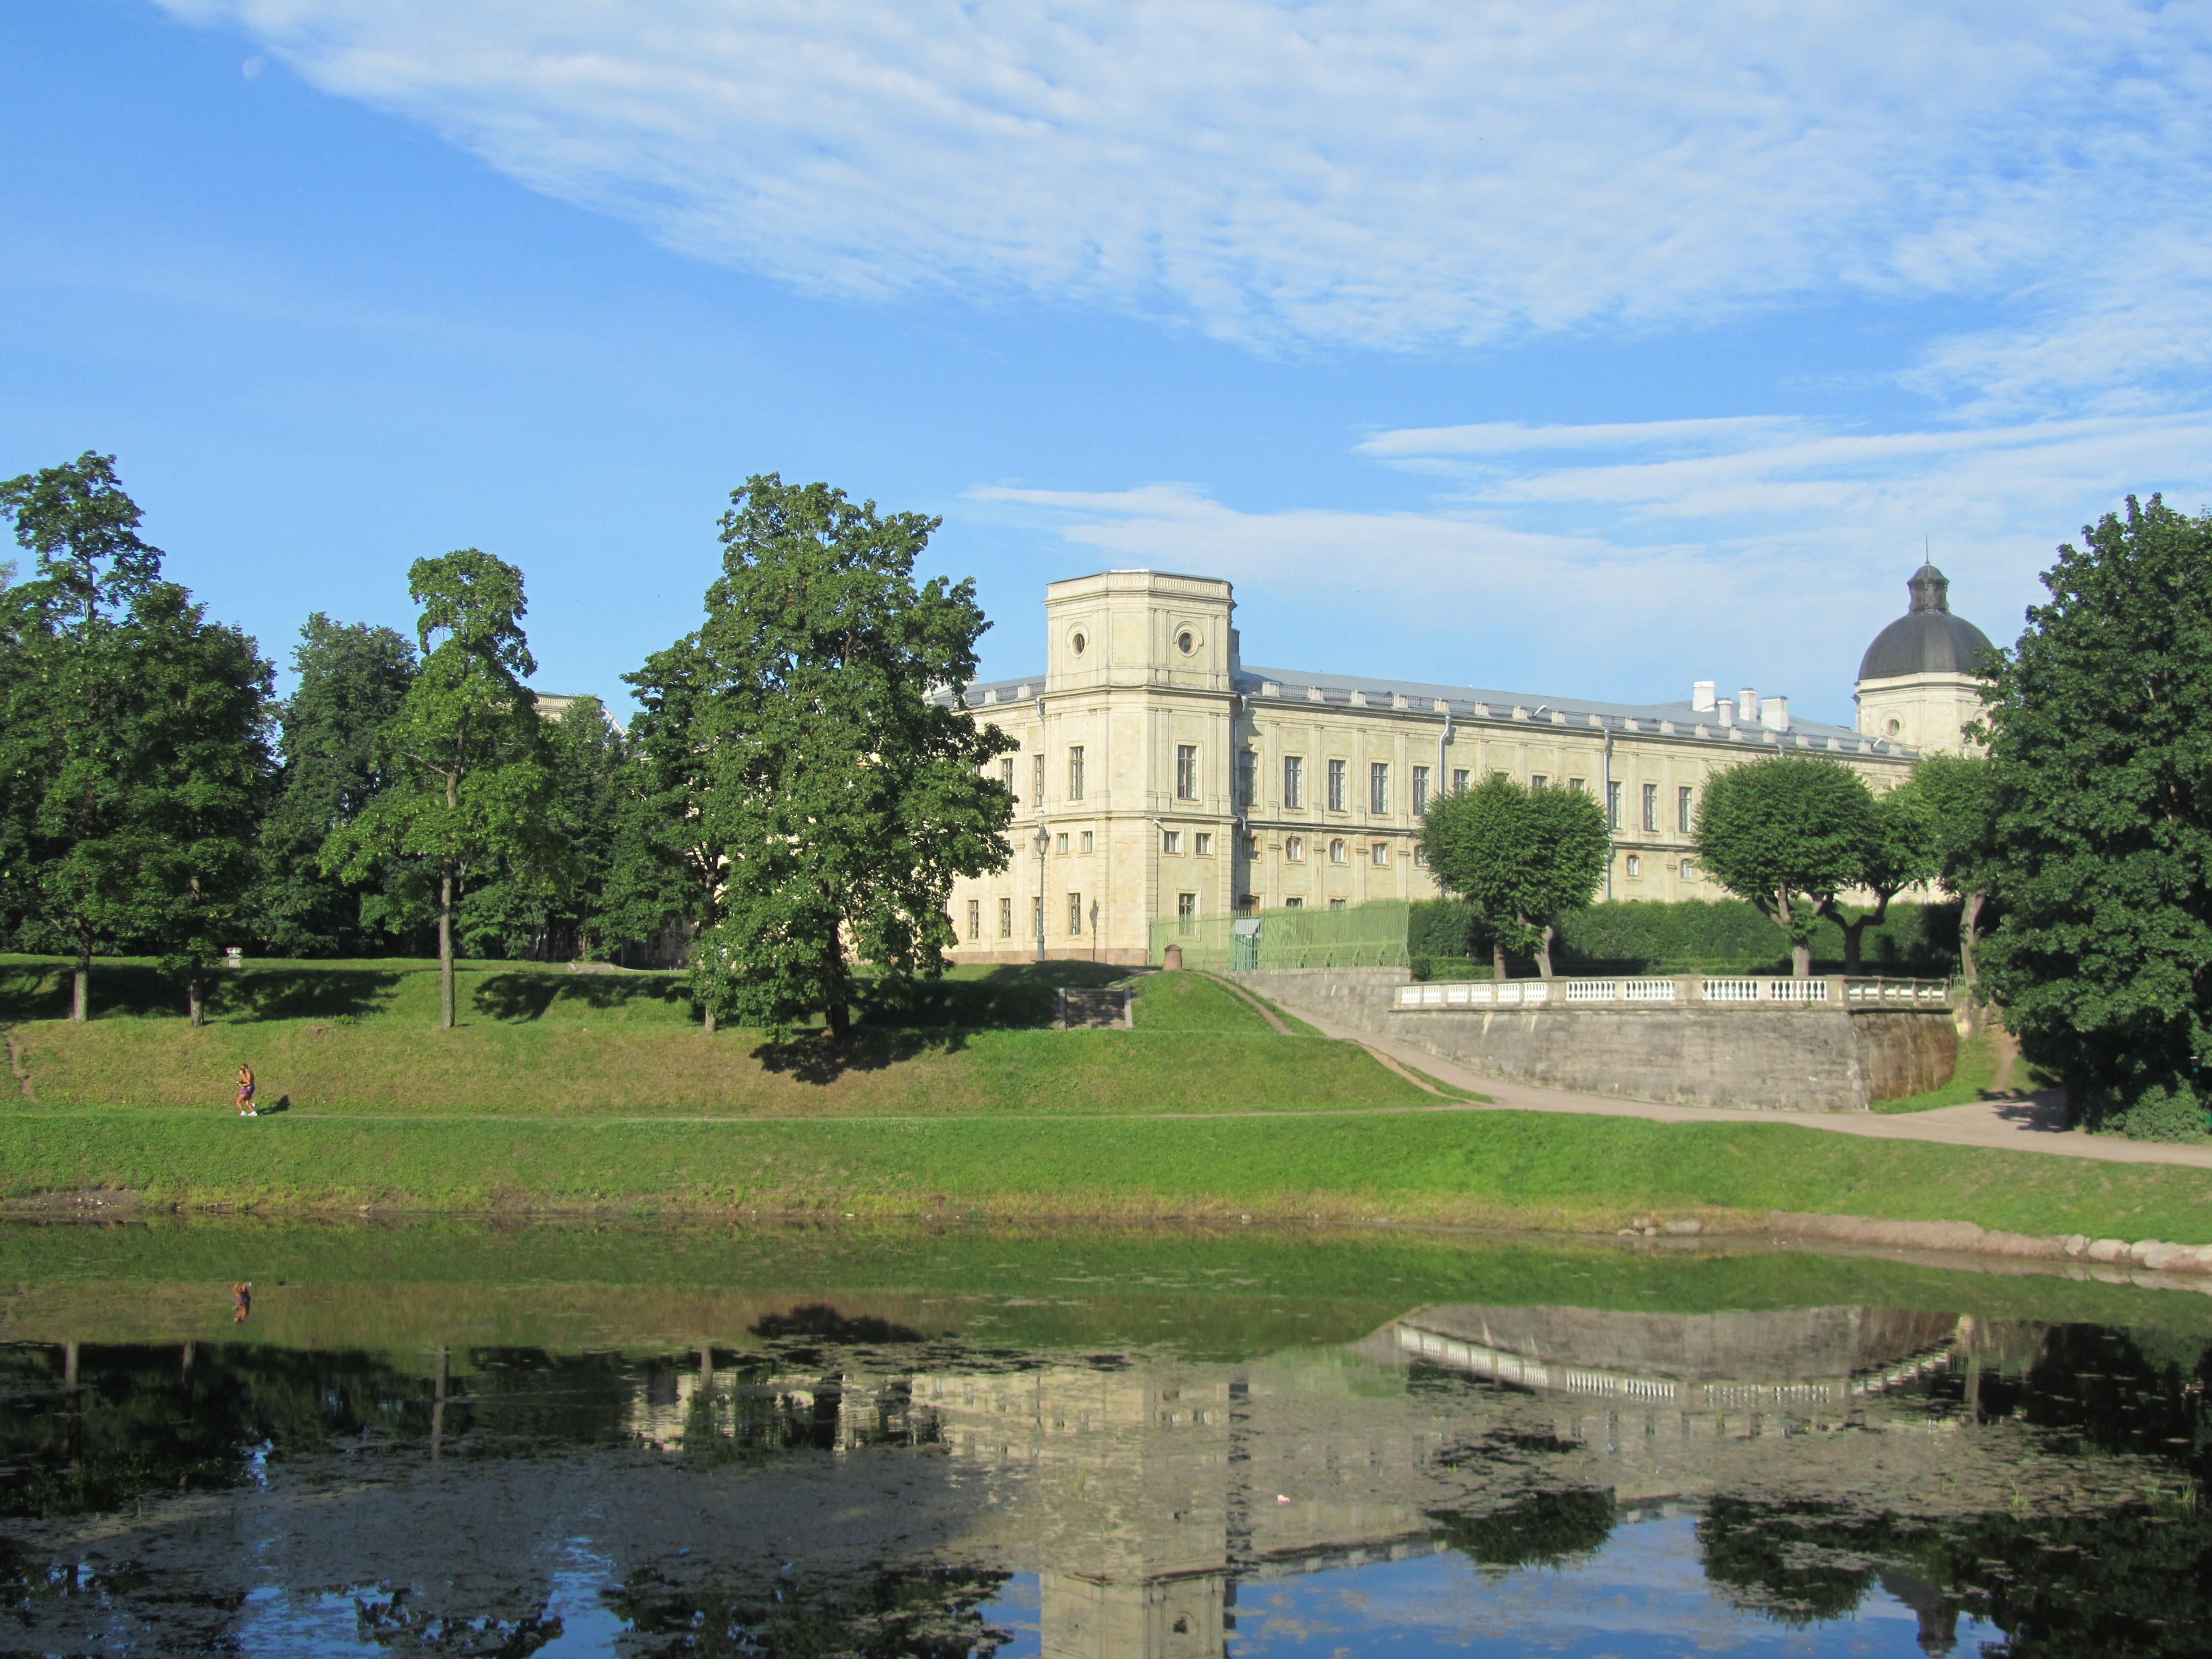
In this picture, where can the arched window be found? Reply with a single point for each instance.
(1336, 852)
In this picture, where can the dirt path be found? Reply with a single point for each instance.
(2031, 1123)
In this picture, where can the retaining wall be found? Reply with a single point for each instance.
(1802, 1059)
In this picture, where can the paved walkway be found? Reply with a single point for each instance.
(2027, 1123)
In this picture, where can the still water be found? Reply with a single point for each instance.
(550, 1442)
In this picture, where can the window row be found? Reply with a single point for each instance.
(1076, 917)
(1340, 852)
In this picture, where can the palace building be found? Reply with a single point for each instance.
(1160, 776)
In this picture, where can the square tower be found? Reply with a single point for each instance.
(1130, 629)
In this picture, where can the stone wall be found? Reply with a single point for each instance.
(1812, 1059)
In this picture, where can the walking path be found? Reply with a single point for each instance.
(2030, 1123)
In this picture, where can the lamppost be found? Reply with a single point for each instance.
(1041, 839)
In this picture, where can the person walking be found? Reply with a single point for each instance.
(245, 1107)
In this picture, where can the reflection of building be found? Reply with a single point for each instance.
(1144, 1494)
(1159, 775)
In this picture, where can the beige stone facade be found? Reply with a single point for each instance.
(1158, 775)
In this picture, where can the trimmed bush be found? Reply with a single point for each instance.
(1690, 936)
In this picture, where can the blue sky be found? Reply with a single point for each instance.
(1583, 348)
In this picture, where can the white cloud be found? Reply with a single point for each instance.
(1380, 172)
(1771, 555)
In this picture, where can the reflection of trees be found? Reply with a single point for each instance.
(399, 1623)
(1541, 1528)
(926, 1613)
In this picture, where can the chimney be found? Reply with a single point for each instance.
(1701, 696)
(1747, 705)
(1774, 714)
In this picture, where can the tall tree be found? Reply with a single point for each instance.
(554, 911)
(1901, 852)
(1956, 792)
(201, 780)
(2101, 759)
(468, 744)
(1522, 856)
(1789, 833)
(844, 795)
(67, 762)
(353, 679)
(664, 870)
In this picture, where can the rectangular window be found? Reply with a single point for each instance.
(1338, 786)
(1577, 786)
(1294, 904)
(1036, 782)
(1248, 771)
(1336, 904)
(1538, 780)
(1186, 771)
(1420, 856)
(1251, 846)
(1006, 918)
(1294, 848)
(1075, 772)
(1689, 869)
(1294, 781)
(1682, 810)
(1378, 787)
(1036, 917)
(1612, 806)
(1379, 853)
(1075, 913)
(1171, 840)
(974, 918)
(1201, 843)
(1459, 780)
(1059, 844)
(1651, 808)
(1088, 845)
(1420, 790)
(1336, 852)
(1635, 865)
(1186, 913)
(1007, 774)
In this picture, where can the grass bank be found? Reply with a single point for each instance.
(1480, 1168)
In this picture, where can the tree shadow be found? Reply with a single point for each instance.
(814, 1057)
(261, 994)
(1014, 996)
(533, 996)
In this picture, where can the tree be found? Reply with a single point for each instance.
(353, 679)
(201, 782)
(75, 867)
(2101, 762)
(467, 746)
(1790, 832)
(554, 911)
(1901, 853)
(1955, 790)
(664, 870)
(844, 794)
(1522, 856)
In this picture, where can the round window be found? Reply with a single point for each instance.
(1896, 727)
(1185, 643)
(1079, 642)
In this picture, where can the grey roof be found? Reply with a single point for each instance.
(1471, 703)
(1927, 638)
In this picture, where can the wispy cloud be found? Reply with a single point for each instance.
(1377, 173)
(1599, 558)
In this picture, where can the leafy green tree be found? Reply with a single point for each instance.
(353, 677)
(843, 794)
(136, 757)
(469, 745)
(1789, 834)
(1901, 852)
(554, 911)
(2101, 759)
(1956, 792)
(1522, 856)
(664, 870)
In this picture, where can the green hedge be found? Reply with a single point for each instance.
(1690, 936)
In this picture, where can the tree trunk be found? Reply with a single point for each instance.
(1497, 960)
(710, 1019)
(195, 1002)
(841, 1022)
(1970, 919)
(1801, 959)
(1544, 953)
(445, 950)
(80, 997)
(1852, 931)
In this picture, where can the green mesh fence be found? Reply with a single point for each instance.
(1371, 935)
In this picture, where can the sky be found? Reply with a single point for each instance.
(1590, 349)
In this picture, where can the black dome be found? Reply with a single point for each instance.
(1927, 638)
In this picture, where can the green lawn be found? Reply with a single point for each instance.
(1975, 1070)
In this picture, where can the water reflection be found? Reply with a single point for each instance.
(829, 1482)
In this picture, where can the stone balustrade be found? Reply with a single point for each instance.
(1765, 992)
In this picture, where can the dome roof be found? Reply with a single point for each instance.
(1927, 639)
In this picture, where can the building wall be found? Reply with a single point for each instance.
(1140, 667)
(1927, 712)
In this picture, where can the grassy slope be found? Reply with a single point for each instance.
(520, 1109)
(1975, 1070)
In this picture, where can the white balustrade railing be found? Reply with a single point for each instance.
(1593, 990)
(1797, 990)
(1648, 990)
(1737, 991)
(1731, 990)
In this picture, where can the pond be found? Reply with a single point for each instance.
(550, 1440)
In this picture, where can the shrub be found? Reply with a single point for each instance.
(2167, 1110)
